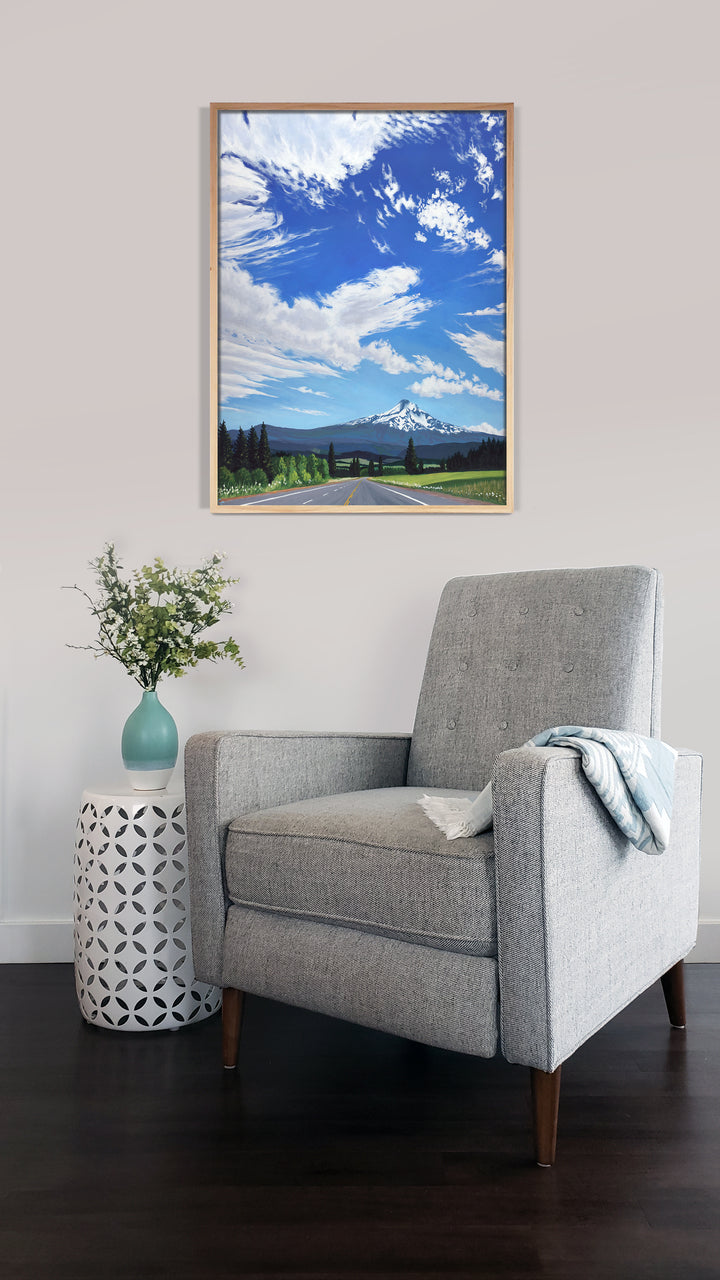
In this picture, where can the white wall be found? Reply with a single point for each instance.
(104, 402)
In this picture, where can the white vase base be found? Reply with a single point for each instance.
(149, 779)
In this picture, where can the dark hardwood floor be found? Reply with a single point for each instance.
(340, 1152)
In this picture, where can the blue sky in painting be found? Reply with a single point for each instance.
(362, 261)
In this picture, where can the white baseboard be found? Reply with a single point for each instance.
(707, 950)
(51, 941)
(35, 941)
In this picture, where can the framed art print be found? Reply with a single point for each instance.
(361, 309)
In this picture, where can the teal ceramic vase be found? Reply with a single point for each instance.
(150, 744)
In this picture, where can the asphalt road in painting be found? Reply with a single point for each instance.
(353, 493)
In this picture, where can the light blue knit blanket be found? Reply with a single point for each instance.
(633, 777)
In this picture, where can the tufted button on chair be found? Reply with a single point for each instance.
(316, 878)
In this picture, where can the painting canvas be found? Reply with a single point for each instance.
(361, 312)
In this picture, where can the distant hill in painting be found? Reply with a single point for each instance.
(380, 433)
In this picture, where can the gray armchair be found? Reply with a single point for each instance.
(317, 880)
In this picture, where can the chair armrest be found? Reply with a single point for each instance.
(227, 774)
(585, 921)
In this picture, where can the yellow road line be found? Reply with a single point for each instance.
(357, 486)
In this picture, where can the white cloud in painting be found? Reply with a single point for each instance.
(308, 391)
(434, 388)
(488, 428)
(390, 360)
(497, 194)
(311, 151)
(382, 246)
(250, 227)
(484, 350)
(382, 300)
(451, 223)
(441, 381)
(483, 169)
(392, 193)
(493, 267)
(264, 337)
(265, 394)
(314, 413)
(442, 177)
(423, 364)
(248, 224)
(238, 182)
(245, 368)
(499, 310)
(422, 238)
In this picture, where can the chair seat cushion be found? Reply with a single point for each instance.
(367, 860)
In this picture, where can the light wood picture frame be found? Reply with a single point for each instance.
(361, 311)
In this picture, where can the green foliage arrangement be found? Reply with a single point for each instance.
(151, 622)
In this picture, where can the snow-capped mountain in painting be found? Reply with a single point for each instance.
(407, 417)
(384, 433)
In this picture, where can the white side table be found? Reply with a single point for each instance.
(133, 954)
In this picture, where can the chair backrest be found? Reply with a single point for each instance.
(516, 653)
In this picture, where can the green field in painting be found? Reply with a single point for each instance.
(485, 486)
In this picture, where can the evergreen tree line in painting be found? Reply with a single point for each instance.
(490, 455)
(247, 465)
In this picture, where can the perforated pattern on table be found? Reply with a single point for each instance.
(133, 954)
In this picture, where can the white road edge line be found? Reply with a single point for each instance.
(407, 495)
(279, 497)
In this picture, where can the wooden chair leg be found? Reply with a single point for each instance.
(673, 985)
(546, 1099)
(232, 1006)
